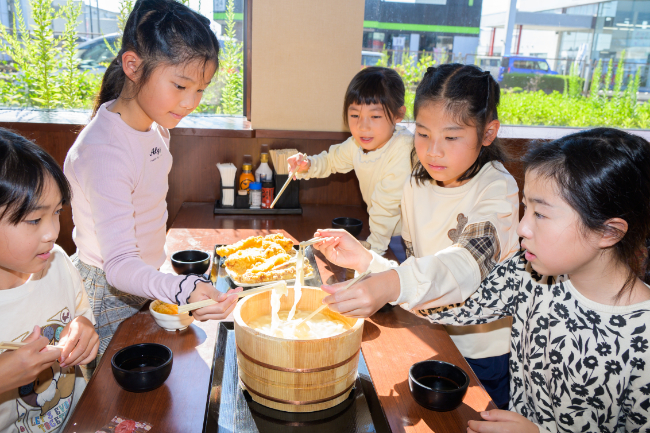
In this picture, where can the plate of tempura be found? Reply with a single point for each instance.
(260, 260)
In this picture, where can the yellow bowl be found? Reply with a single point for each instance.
(170, 322)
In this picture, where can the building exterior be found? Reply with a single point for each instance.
(94, 22)
(422, 25)
(450, 26)
(582, 30)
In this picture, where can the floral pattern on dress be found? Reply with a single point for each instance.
(575, 365)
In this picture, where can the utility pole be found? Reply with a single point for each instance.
(511, 16)
(90, 11)
(99, 26)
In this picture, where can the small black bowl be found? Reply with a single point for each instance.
(438, 385)
(190, 262)
(351, 225)
(142, 367)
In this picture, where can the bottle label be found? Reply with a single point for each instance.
(267, 197)
(256, 199)
(244, 184)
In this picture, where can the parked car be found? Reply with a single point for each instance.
(524, 65)
(95, 52)
(491, 64)
(370, 58)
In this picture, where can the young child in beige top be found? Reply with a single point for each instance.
(378, 151)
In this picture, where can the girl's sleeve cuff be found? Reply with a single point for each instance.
(380, 264)
(408, 286)
(186, 287)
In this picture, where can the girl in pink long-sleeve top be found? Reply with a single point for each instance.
(118, 166)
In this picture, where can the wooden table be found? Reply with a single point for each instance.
(392, 342)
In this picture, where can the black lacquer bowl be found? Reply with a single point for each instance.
(142, 367)
(190, 262)
(351, 225)
(438, 385)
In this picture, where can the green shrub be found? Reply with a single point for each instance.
(45, 72)
(48, 75)
(534, 82)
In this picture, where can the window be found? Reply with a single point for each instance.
(98, 35)
(552, 50)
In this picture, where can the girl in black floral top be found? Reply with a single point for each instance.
(579, 344)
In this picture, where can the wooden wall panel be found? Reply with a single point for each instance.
(195, 177)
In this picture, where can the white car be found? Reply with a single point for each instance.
(94, 53)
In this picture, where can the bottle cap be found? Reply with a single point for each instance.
(265, 148)
(267, 184)
(255, 185)
(242, 192)
(264, 158)
(247, 166)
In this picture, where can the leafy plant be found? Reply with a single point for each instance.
(126, 6)
(595, 80)
(48, 74)
(231, 74)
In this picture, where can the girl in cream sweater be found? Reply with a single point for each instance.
(378, 151)
(460, 213)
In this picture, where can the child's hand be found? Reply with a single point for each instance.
(502, 421)
(80, 342)
(365, 297)
(343, 250)
(20, 367)
(299, 160)
(226, 302)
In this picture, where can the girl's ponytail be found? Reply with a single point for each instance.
(158, 31)
(112, 83)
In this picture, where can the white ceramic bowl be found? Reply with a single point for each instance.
(170, 322)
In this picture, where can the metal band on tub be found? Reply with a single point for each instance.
(297, 370)
(296, 403)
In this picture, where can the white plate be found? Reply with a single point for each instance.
(233, 276)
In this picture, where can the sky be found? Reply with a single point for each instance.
(489, 6)
(114, 5)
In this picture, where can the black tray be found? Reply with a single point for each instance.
(231, 410)
(224, 283)
(218, 210)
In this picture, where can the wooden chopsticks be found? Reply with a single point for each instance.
(322, 307)
(295, 170)
(281, 286)
(13, 345)
(312, 241)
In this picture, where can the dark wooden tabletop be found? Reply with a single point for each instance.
(392, 341)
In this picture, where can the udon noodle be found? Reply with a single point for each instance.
(320, 326)
(297, 286)
(284, 324)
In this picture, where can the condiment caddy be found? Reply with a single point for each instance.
(255, 193)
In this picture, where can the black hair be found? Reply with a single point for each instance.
(603, 173)
(471, 96)
(159, 31)
(24, 170)
(375, 85)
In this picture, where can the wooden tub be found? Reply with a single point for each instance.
(295, 375)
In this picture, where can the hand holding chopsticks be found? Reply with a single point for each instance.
(280, 286)
(14, 345)
(302, 326)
